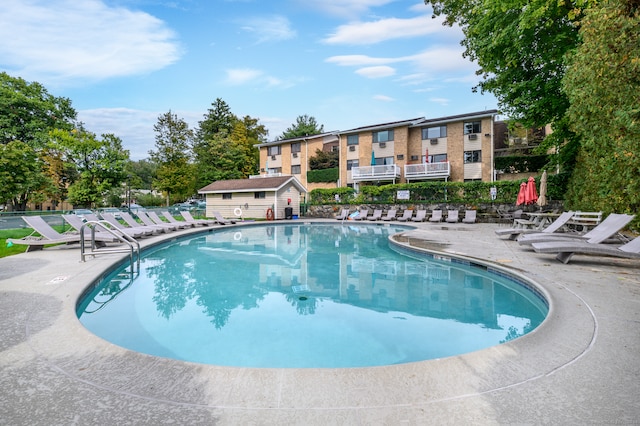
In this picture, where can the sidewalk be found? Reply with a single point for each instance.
(582, 366)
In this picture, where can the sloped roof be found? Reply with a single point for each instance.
(459, 117)
(381, 126)
(327, 136)
(251, 185)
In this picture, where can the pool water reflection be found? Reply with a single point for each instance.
(305, 296)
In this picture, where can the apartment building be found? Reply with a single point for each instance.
(456, 148)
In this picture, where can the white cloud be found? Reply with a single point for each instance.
(238, 76)
(440, 101)
(269, 28)
(383, 98)
(376, 72)
(64, 41)
(360, 33)
(134, 127)
(344, 8)
(358, 60)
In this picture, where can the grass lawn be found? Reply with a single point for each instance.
(19, 233)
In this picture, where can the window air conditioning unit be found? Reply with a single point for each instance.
(434, 141)
(414, 158)
(352, 148)
(473, 137)
(295, 155)
(383, 144)
(273, 157)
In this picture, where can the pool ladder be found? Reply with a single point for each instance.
(97, 247)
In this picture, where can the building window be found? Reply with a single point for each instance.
(472, 127)
(352, 163)
(352, 139)
(434, 132)
(259, 195)
(437, 158)
(383, 136)
(226, 196)
(274, 150)
(295, 170)
(384, 161)
(335, 148)
(296, 147)
(472, 156)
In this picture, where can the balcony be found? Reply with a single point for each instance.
(373, 173)
(427, 171)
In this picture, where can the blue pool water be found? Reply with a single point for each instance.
(302, 296)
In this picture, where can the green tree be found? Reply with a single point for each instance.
(140, 174)
(99, 164)
(28, 112)
(304, 126)
(175, 172)
(603, 85)
(225, 145)
(21, 176)
(520, 46)
(324, 160)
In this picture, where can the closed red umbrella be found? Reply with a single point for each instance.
(531, 195)
(522, 194)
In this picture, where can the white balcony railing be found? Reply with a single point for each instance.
(383, 172)
(427, 171)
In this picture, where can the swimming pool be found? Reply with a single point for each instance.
(306, 295)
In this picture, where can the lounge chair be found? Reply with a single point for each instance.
(129, 220)
(553, 227)
(406, 215)
(377, 215)
(158, 221)
(202, 222)
(221, 220)
(146, 219)
(452, 216)
(436, 216)
(100, 235)
(605, 230)
(469, 216)
(391, 215)
(172, 219)
(344, 215)
(362, 215)
(566, 249)
(420, 216)
(48, 235)
(134, 232)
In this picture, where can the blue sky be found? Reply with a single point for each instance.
(348, 63)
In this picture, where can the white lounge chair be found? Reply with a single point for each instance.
(452, 216)
(131, 231)
(391, 215)
(344, 215)
(377, 215)
(420, 216)
(147, 221)
(129, 220)
(553, 227)
(158, 221)
(605, 230)
(566, 249)
(436, 216)
(99, 234)
(469, 216)
(406, 215)
(172, 219)
(202, 222)
(362, 215)
(48, 235)
(221, 220)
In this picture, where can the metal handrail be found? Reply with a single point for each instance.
(118, 234)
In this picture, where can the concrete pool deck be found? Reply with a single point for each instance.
(582, 366)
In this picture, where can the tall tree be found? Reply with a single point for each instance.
(99, 163)
(304, 126)
(21, 176)
(603, 85)
(29, 112)
(175, 174)
(520, 47)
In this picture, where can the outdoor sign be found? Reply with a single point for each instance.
(404, 195)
